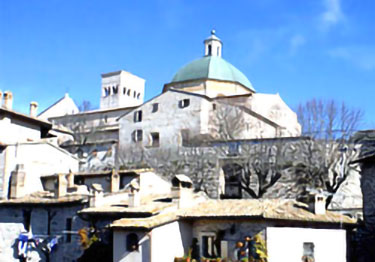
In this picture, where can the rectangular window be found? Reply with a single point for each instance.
(209, 249)
(185, 137)
(68, 227)
(138, 116)
(137, 135)
(213, 106)
(155, 107)
(155, 141)
(183, 103)
(308, 251)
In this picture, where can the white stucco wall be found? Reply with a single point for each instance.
(151, 183)
(120, 254)
(274, 108)
(14, 130)
(123, 81)
(168, 241)
(286, 244)
(38, 159)
(64, 106)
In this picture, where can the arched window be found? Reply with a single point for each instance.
(128, 92)
(139, 94)
(124, 91)
(209, 49)
(115, 89)
(132, 242)
(135, 94)
(107, 91)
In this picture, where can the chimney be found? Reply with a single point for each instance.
(17, 182)
(70, 178)
(134, 196)
(61, 186)
(8, 100)
(33, 109)
(97, 195)
(320, 203)
(115, 181)
(182, 191)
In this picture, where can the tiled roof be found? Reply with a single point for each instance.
(268, 209)
(146, 223)
(245, 209)
(42, 198)
(151, 208)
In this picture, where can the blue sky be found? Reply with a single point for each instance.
(300, 49)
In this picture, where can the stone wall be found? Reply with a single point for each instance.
(46, 222)
(368, 191)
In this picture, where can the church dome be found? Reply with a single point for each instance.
(212, 66)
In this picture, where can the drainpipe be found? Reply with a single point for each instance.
(5, 176)
(149, 234)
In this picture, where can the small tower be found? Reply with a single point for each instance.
(121, 89)
(213, 45)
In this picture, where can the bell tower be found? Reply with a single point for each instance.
(121, 89)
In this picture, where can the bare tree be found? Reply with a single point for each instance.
(328, 119)
(263, 165)
(325, 161)
(227, 121)
(85, 106)
(324, 165)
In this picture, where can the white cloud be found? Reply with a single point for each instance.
(360, 56)
(332, 14)
(295, 43)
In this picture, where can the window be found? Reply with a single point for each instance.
(183, 103)
(115, 89)
(209, 249)
(155, 140)
(132, 242)
(137, 135)
(139, 95)
(232, 175)
(308, 252)
(218, 51)
(135, 94)
(124, 90)
(68, 227)
(26, 219)
(155, 107)
(79, 180)
(138, 116)
(185, 137)
(107, 91)
(209, 49)
(213, 106)
(128, 92)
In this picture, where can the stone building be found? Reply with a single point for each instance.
(20, 137)
(202, 95)
(190, 107)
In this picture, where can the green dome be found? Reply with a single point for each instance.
(211, 67)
